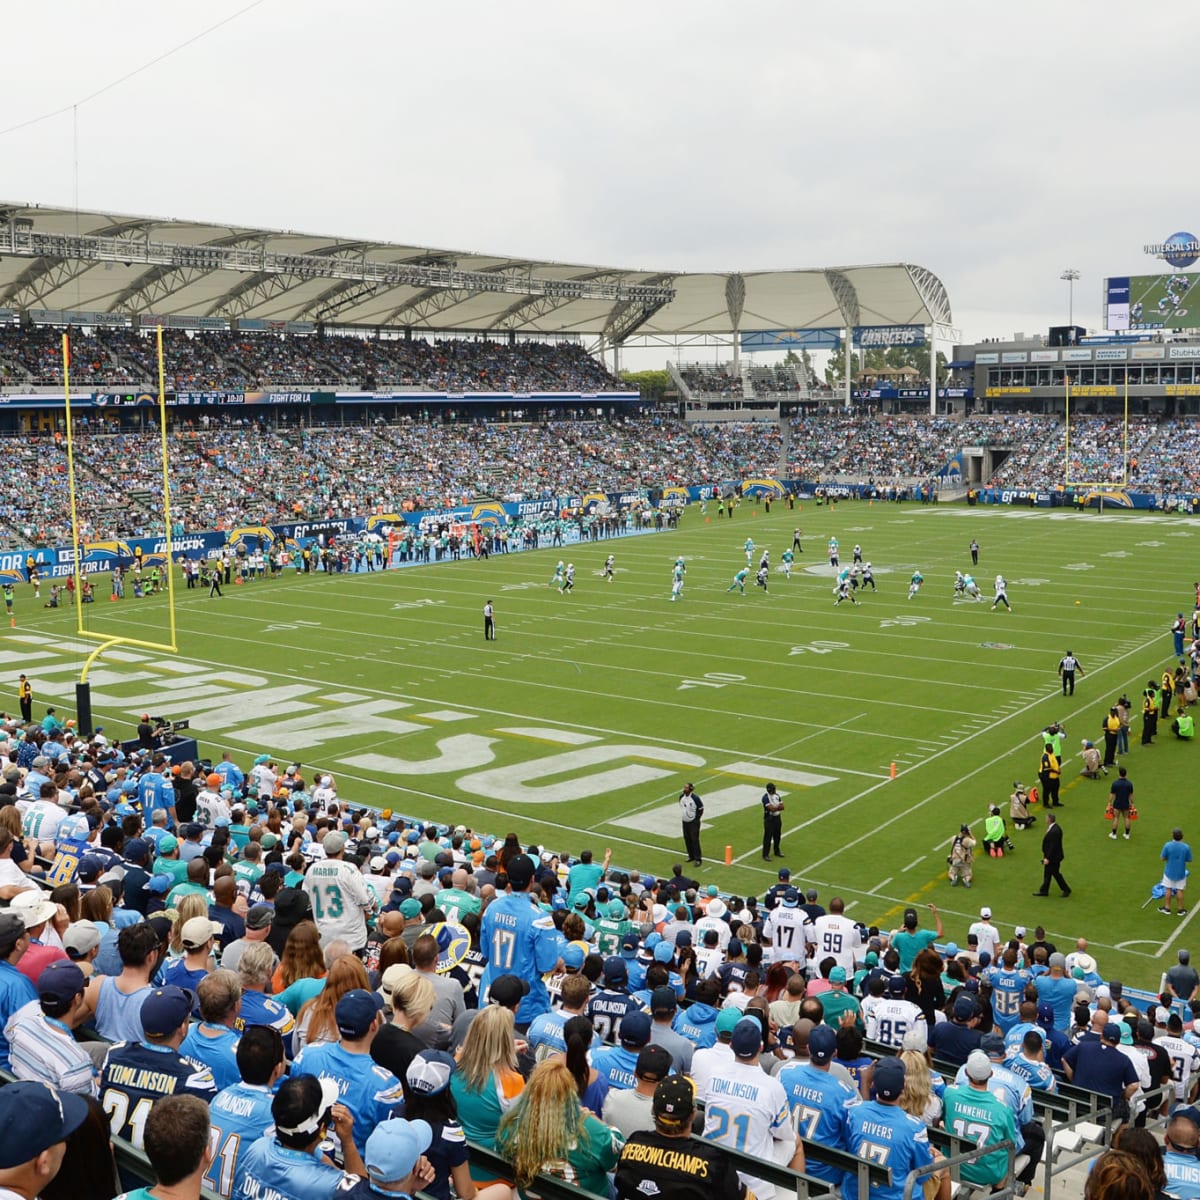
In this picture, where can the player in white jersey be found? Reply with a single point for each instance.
(959, 583)
(891, 1017)
(785, 927)
(857, 553)
(762, 577)
(608, 569)
(835, 936)
(569, 578)
(868, 577)
(677, 583)
(844, 592)
(833, 552)
(324, 794)
(1001, 593)
(765, 561)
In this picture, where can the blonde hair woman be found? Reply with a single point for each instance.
(548, 1130)
(487, 1081)
(316, 1022)
(918, 1098)
(189, 906)
(412, 997)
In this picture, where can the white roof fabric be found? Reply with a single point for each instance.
(59, 259)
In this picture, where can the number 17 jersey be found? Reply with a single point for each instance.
(521, 940)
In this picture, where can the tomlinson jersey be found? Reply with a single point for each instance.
(240, 1115)
(747, 1110)
(135, 1075)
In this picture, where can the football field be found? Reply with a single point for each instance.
(579, 725)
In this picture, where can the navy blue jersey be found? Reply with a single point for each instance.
(136, 1074)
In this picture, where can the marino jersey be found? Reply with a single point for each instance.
(1008, 990)
(887, 1135)
(339, 897)
(240, 1115)
(520, 940)
(268, 1171)
(369, 1091)
(136, 1074)
(819, 1102)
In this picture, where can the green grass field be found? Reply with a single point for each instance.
(579, 725)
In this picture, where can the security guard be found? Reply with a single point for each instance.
(1167, 690)
(25, 696)
(1149, 712)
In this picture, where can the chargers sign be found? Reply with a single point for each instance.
(883, 337)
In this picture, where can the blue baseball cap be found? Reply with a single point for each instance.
(34, 1117)
(393, 1149)
(822, 1044)
(356, 1011)
(165, 1009)
(573, 957)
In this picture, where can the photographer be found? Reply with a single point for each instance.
(962, 857)
(1018, 806)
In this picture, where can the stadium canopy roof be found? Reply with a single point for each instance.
(64, 260)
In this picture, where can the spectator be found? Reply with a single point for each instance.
(316, 1021)
(35, 1122)
(487, 1082)
(39, 1038)
(117, 1001)
(213, 1040)
(177, 1145)
(629, 1109)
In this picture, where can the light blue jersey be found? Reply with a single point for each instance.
(240, 1115)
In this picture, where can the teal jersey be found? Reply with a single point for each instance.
(788, 556)
(740, 577)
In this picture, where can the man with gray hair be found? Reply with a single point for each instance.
(256, 965)
(213, 1042)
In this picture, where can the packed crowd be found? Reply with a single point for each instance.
(337, 982)
(211, 360)
(872, 447)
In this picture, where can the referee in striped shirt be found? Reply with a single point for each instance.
(1067, 666)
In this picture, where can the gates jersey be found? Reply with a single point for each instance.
(521, 940)
(136, 1074)
(890, 1019)
(819, 1102)
(240, 1115)
(1008, 990)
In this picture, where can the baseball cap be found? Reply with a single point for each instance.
(429, 1072)
(295, 1111)
(165, 1009)
(991, 1043)
(356, 1011)
(520, 870)
(197, 931)
(80, 938)
(979, 1066)
(573, 957)
(985, 913)
(727, 1020)
(1045, 1014)
(822, 1044)
(629, 945)
(34, 1117)
(964, 1007)
(410, 908)
(260, 916)
(910, 918)
(837, 975)
(653, 1064)
(32, 907)
(1058, 960)
(136, 849)
(747, 1037)
(784, 873)
(508, 990)
(60, 982)
(895, 986)
(615, 970)
(1111, 1032)
(950, 950)
(170, 843)
(663, 1000)
(334, 843)
(791, 898)
(674, 1100)
(635, 1029)
(888, 1078)
(1019, 932)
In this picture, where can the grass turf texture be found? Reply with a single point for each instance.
(779, 686)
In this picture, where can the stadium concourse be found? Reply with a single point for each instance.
(189, 928)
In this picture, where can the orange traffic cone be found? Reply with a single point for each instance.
(113, 596)
(729, 856)
(893, 771)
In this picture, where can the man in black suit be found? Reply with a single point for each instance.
(1052, 857)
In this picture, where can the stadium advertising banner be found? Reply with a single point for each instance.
(883, 337)
(1152, 301)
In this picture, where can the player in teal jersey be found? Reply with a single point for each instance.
(788, 557)
(914, 584)
(739, 581)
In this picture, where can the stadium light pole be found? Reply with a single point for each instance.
(1070, 275)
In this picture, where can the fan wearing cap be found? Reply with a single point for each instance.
(667, 1161)
(1101, 1067)
(973, 1110)
(819, 1098)
(628, 1110)
(911, 939)
(954, 1039)
(198, 937)
(880, 1130)
(616, 1064)
(707, 1060)
(288, 1161)
(787, 929)
(519, 939)
(41, 1043)
(369, 1091)
(35, 1122)
(36, 909)
(987, 934)
(340, 899)
(136, 1074)
(16, 989)
(1058, 989)
(611, 1003)
(748, 1109)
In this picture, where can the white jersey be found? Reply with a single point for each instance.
(1185, 1062)
(42, 819)
(836, 937)
(323, 797)
(786, 927)
(724, 933)
(889, 1020)
(210, 806)
(339, 897)
(1001, 585)
(708, 959)
(747, 1109)
(989, 938)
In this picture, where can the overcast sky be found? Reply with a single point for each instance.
(994, 144)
